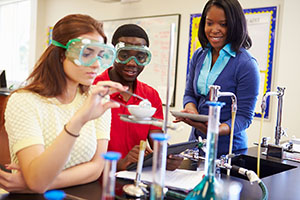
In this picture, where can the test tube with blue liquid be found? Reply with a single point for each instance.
(206, 189)
(159, 165)
(109, 179)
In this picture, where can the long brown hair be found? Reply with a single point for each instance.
(48, 77)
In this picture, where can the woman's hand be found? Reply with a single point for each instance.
(95, 105)
(189, 108)
(202, 126)
(13, 182)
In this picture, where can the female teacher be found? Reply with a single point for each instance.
(223, 60)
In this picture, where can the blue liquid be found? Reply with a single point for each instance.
(211, 154)
(206, 188)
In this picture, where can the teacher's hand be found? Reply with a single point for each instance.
(201, 126)
(189, 108)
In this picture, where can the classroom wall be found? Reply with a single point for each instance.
(285, 68)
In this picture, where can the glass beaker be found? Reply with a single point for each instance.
(159, 165)
(229, 190)
(206, 189)
(109, 179)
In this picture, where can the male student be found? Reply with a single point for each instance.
(131, 43)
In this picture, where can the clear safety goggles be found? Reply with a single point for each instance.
(125, 52)
(84, 51)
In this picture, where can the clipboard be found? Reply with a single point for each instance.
(172, 149)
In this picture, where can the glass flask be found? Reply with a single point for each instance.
(159, 165)
(206, 189)
(109, 179)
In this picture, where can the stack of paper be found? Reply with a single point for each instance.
(179, 178)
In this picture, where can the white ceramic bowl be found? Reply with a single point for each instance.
(141, 112)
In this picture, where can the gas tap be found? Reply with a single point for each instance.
(278, 129)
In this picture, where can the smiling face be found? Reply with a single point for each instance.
(216, 27)
(127, 73)
(78, 74)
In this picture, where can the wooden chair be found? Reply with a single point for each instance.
(4, 148)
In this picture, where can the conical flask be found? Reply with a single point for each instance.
(206, 189)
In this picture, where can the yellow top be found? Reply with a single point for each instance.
(31, 119)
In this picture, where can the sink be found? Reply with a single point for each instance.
(267, 167)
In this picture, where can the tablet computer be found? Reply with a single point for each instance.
(194, 117)
(172, 149)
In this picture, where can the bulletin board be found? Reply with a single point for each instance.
(158, 30)
(49, 35)
(261, 27)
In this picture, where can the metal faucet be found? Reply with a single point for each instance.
(214, 94)
(278, 129)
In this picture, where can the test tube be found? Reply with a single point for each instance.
(134, 189)
(137, 180)
(109, 179)
(212, 137)
(159, 165)
(54, 195)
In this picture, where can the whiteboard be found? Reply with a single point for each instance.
(158, 30)
(261, 24)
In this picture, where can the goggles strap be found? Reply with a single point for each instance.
(55, 43)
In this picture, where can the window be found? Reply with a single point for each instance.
(14, 39)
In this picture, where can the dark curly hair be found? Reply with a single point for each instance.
(129, 30)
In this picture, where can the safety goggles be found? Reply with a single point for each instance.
(84, 51)
(125, 52)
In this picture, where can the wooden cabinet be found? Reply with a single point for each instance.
(4, 150)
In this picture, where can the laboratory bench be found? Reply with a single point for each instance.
(281, 178)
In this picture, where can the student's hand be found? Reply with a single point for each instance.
(131, 157)
(13, 182)
(173, 162)
(94, 106)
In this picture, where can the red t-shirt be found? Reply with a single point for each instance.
(125, 135)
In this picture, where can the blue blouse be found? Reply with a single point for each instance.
(207, 77)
